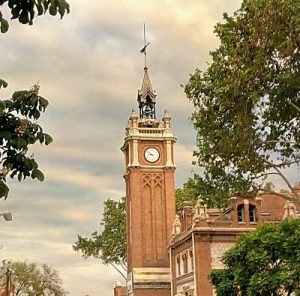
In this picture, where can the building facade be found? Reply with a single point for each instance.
(200, 237)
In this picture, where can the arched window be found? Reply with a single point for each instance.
(241, 213)
(185, 263)
(252, 213)
(192, 260)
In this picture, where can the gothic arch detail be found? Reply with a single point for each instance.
(153, 213)
(152, 179)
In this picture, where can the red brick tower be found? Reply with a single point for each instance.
(150, 196)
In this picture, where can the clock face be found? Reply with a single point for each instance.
(151, 154)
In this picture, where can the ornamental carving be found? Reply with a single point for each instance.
(152, 179)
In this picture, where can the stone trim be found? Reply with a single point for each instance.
(188, 277)
(205, 233)
(152, 286)
(150, 275)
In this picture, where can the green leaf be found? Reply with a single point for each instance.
(20, 176)
(43, 102)
(15, 11)
(37, 174)
(4, 25)
(3, 83)
(48, 139)
(53, 8)
(40, 8)
(22, 143)
(23, 17)
(3, 189)
(5, 135)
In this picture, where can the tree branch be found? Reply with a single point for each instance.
(285, 196)
(294, 105)
(282, 176)
(264, 175)
(279, 141)
(118, 270)
(122, 264)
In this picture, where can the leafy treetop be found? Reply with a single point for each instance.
(247, 103)
(31, 279)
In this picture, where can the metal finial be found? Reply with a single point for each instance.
(143, 50)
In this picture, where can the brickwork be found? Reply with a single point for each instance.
(120, 291)
(203, 266)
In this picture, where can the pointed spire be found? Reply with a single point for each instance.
(176, 226)
(146, 98)
(289, 210)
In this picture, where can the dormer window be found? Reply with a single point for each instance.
(241, 213)
(252, 213)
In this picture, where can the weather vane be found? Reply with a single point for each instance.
(143, 50)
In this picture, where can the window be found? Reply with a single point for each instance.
(241, 213)
(252, 213)
(178, 266)
(192, 260)
(185, 263)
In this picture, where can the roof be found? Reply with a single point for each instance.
(146, 90)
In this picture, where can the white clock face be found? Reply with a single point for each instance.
(151, 154)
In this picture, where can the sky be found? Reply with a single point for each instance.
(89, 67)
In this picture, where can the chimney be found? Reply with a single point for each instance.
(118, 289)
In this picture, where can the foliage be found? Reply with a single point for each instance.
(109, 245)
(269, 186)
(18, 115)
(26, 11)
(194, 188)
(263, 262)
(19, 130)
(29, 279)
(247, 102)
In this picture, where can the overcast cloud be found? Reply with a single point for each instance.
(89, 67)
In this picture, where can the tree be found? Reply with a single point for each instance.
(263, 262)
(29, 279)
(18, 131)
(194, 188)
(110, 245)
(247, 102)
(26, 11)
(269, 186)
(18, 115)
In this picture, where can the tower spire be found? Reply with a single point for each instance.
(146, 95)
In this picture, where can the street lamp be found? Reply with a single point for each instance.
(7, 215)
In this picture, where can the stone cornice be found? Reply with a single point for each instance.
(207, 231)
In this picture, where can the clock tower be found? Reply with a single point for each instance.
(150, 195)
